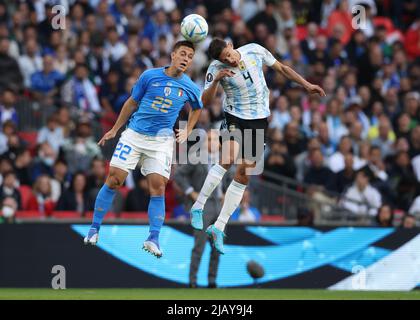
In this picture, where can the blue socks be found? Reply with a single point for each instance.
(102, 205)
(156, 214)
(156, 210)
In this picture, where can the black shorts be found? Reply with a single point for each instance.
(251, 135)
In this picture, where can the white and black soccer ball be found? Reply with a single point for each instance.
(194, 28)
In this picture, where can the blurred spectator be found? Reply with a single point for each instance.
(327, 146)
(43, 163)
(65, 122)
(403, 126)
(412, 39)
(10, 76)
(376, 164)
(294, 140)
(382, 136)
(62, 63)
(80, 150)
(8, 209)
(45, 83)
(415, 207)
(280, 115)
(303, 161)
(305, 217)
(245, 212)
(345, 177)
(110, 91)
(336, 128)
(361, 198)
(402, 179)
(408, 222)
(321, 10)
(97, 175)
(22, 167)
(138, 198)
(385, 216)
(5, 166)
(7, 107)
(9, 188)
(98, 60)
(79, 91)
(76, 198)
(279, 162)
(123, 95)
(60, 179)
(30, 62)
(341, 18)
(114, 48)
(156, 26)
(52, 133)
(41, 196)
(336, 161)
(415, 141)
(318, 174)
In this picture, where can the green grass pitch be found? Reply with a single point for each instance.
(201, 294)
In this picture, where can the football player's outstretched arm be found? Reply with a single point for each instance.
(291, 74)
(210, 92)
(127, 110)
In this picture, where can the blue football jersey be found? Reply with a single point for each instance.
(160, 98)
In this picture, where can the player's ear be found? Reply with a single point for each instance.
(172, 55)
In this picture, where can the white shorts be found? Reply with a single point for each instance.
(153, 154)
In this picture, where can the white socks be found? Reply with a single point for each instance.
(213, 179)
(233, 198)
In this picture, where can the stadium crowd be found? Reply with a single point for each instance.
(361, 141)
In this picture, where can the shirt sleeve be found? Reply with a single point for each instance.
(267, 57)
(210, 75)
(195, 98)
(139, 88)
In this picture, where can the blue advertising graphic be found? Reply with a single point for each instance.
(292, 250)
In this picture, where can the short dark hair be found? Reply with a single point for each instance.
(183, 43)
(216, 47)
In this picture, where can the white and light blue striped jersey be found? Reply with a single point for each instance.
(246, 93)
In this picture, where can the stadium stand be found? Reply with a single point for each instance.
(70, 84)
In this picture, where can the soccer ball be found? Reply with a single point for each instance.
(194, 28)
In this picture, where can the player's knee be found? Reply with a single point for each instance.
(226, 166)
(114, 182)
(227, 161)
(157, 188)
(241, 175)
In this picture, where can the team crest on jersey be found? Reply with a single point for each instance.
(242, 66)
(209, 77)
(167, 91)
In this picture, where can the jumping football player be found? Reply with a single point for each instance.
(246, 106)
(152, 109)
